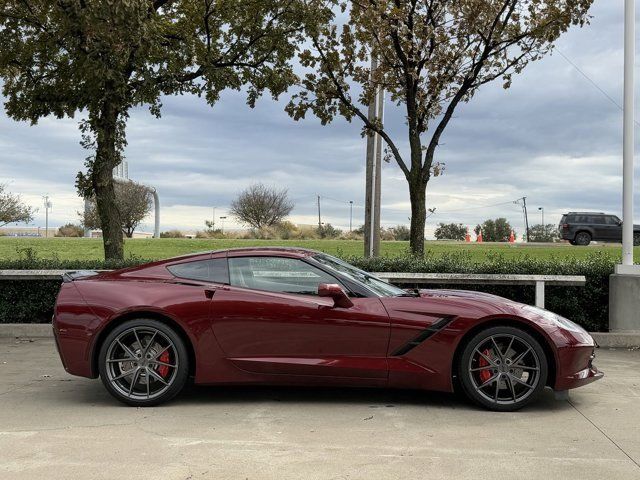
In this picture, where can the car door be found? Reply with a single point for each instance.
(270, 320)
(614, 228)
(600, 228)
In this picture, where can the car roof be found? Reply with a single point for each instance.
(245, 251)
(586, 213)
(289, 251)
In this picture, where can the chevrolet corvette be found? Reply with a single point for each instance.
(287, 316)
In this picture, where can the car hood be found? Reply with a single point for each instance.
(453, 303)
(471, 307)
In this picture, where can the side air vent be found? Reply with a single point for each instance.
(424, 335)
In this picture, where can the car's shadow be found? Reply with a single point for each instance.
(92, 392)
(371, 397)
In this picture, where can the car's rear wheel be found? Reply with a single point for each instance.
(143, 363)
(503, 368)
(636, 239)
(583, 239)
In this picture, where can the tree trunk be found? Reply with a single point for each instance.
(107, 158)
(418, 197)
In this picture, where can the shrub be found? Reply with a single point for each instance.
(328, 231)
(70, 230)
(32, 301)
(172, 234)
(587, 306)
(28, 301)
(401, 233)
(450, 231)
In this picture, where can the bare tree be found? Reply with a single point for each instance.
(12, 209)
(132, 200)
(261, 206)
(432, 56)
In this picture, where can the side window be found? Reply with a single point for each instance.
(214, 270)
(612, 220)
(598, 220)
(277, 274)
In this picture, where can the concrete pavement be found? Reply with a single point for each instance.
(56, 426)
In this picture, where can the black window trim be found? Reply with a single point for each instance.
(208, 281)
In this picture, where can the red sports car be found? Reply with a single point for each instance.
(298, 317)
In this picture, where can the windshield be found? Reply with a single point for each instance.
(379, 287)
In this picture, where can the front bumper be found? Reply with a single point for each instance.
(575, 367)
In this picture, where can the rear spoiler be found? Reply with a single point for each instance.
(78, 275)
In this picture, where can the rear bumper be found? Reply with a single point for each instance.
(74, 351)
(576, 368)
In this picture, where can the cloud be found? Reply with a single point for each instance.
(552, 137)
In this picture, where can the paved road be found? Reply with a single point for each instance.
(55, 426)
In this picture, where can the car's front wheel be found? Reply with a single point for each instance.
(503, 368)
(143, 363)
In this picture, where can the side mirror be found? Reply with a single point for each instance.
(336, 292)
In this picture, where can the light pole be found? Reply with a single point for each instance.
(544, 227)
(350, 215)
(542, 211)
(47, 206)
(627, 134)
(624, 302)
(213, 223)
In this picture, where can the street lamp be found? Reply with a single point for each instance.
(350, 215)
(542, 211)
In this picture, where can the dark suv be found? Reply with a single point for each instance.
(580, 228)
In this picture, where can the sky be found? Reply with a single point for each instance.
(552, 137)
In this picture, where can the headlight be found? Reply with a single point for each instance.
(555, 318)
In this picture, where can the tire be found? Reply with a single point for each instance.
(583, 239)
(143, 363)
(572, 242)
(636, 239)
(502, 368)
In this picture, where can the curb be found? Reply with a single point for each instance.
(617, 339)
(44, 330)
(26, 330)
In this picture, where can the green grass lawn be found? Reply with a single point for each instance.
(90, 249)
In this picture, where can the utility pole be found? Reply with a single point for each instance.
(213, 223)
(350, 216)
(319, 216)
(374, 171)
(526, 216)
(47, 206)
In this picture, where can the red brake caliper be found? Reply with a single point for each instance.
(486, 373)
(163, 370)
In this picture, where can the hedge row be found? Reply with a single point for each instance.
(32, 301)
